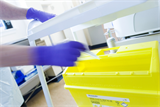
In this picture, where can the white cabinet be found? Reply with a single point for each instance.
(96, 35)
(31, 83)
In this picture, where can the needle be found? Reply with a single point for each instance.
(91, 54)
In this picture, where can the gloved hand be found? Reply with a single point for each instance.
(38, 15)
(64, 54)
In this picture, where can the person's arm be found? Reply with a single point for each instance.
(64, 54)
(11, 55)
(11, 12)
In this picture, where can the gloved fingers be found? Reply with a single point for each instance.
(45, 16)
(72, 58)
(38, 15)
(59, 55)
(77, 45)
(69, 55)
(74, 52)
(67, 63)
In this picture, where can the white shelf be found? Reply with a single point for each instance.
(89, 14)
(7, 32)
(31, 83)
(12, 42)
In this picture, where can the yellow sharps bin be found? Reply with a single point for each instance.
(128, 78)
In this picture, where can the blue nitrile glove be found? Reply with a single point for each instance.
(64, 54)
(38, 15)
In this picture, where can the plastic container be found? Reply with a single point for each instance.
(2, 26)
(128, 78)
(19, 77)
(31, 74)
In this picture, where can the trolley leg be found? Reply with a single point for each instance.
(44, 86)
(51, 40)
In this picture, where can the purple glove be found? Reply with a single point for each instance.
(64, 54)
(38, 15)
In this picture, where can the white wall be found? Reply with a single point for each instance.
(80, 36)
(96, 35)
(87, 35)
(17, 33)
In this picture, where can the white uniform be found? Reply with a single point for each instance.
(10, 95)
